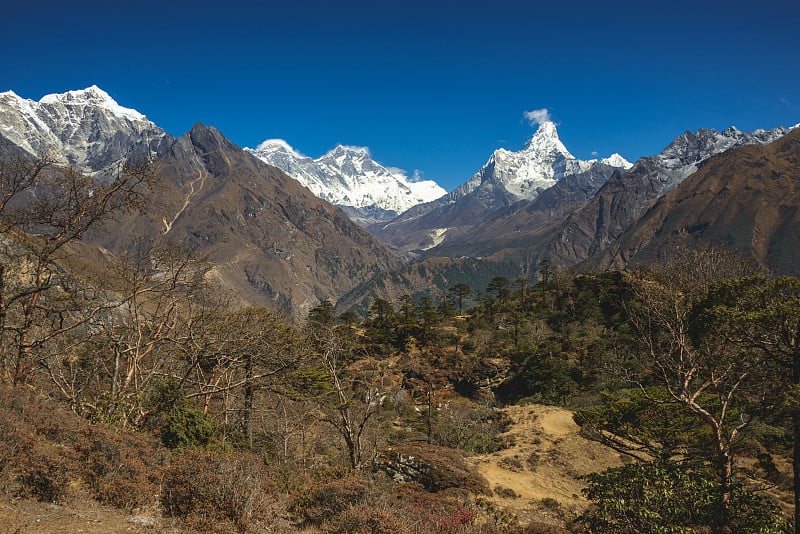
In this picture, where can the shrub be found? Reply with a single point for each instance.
(49, 453)
(323, 502)
(187, 427)
(41, 474)
(512, 463)
(122, 470)
(217, 491)
(364, 518)
(441, 513)
(650, 497)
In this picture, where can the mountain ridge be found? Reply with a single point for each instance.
(270, 241)
(506, 178)
(348, 177)
(625, 196)
(86, 128)
(745, 198)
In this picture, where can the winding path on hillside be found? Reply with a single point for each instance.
(201, 179)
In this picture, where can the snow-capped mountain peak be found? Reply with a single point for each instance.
(685, 154)
(92, 96)
(88, 128)
(616, 160)
(277, 145)
(542, 161)
(350, 150)
(348, 177)
(546, 139)
(547, 129)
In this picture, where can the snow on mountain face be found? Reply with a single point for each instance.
(685, 154)
(616, 160)
(348, 176)
(87, 128)
(542, 162)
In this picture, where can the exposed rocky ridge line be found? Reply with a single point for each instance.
(505, 179)
(86, 129)
(747, 198)
(626, 195)
(348, 177)
(270, 241)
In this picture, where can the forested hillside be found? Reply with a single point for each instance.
(132, 382)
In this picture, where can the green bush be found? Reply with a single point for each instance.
(668, 497)
(187, 427)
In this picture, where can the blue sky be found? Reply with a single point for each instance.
(433, 86)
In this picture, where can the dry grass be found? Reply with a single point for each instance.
(537, 475)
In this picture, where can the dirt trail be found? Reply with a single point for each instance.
(537, 475)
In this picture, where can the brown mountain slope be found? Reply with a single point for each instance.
(747, 198)
(270, 240)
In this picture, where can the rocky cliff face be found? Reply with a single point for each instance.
(270, 240)
(747, 199)
(505, 179)
(626, 195)
(86, 129)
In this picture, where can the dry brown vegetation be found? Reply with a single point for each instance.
(147, 392)
(537, 474)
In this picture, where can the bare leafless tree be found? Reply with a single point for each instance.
(43, 209)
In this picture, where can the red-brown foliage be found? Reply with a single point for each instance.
(218, 492)
(48, 453)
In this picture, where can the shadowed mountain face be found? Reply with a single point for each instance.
(525, 223)
(747, 198)
(581, 217)
(602, 220)
(270, 240)
(505, 179)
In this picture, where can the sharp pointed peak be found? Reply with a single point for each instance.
(547, 129)
(545, 136)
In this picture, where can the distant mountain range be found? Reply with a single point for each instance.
(505, 179)
(270, 240)
(628, 219)
(625, 196)
(747, 199)
(348, 177)
(274, 242)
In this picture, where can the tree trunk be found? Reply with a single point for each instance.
(249, 394)
(796, 443)
(722, 525)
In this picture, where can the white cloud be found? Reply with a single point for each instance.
(537, 116)
(356, 148)
(595, 153)
(416, 176)
(396, 171)
(789, 104)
